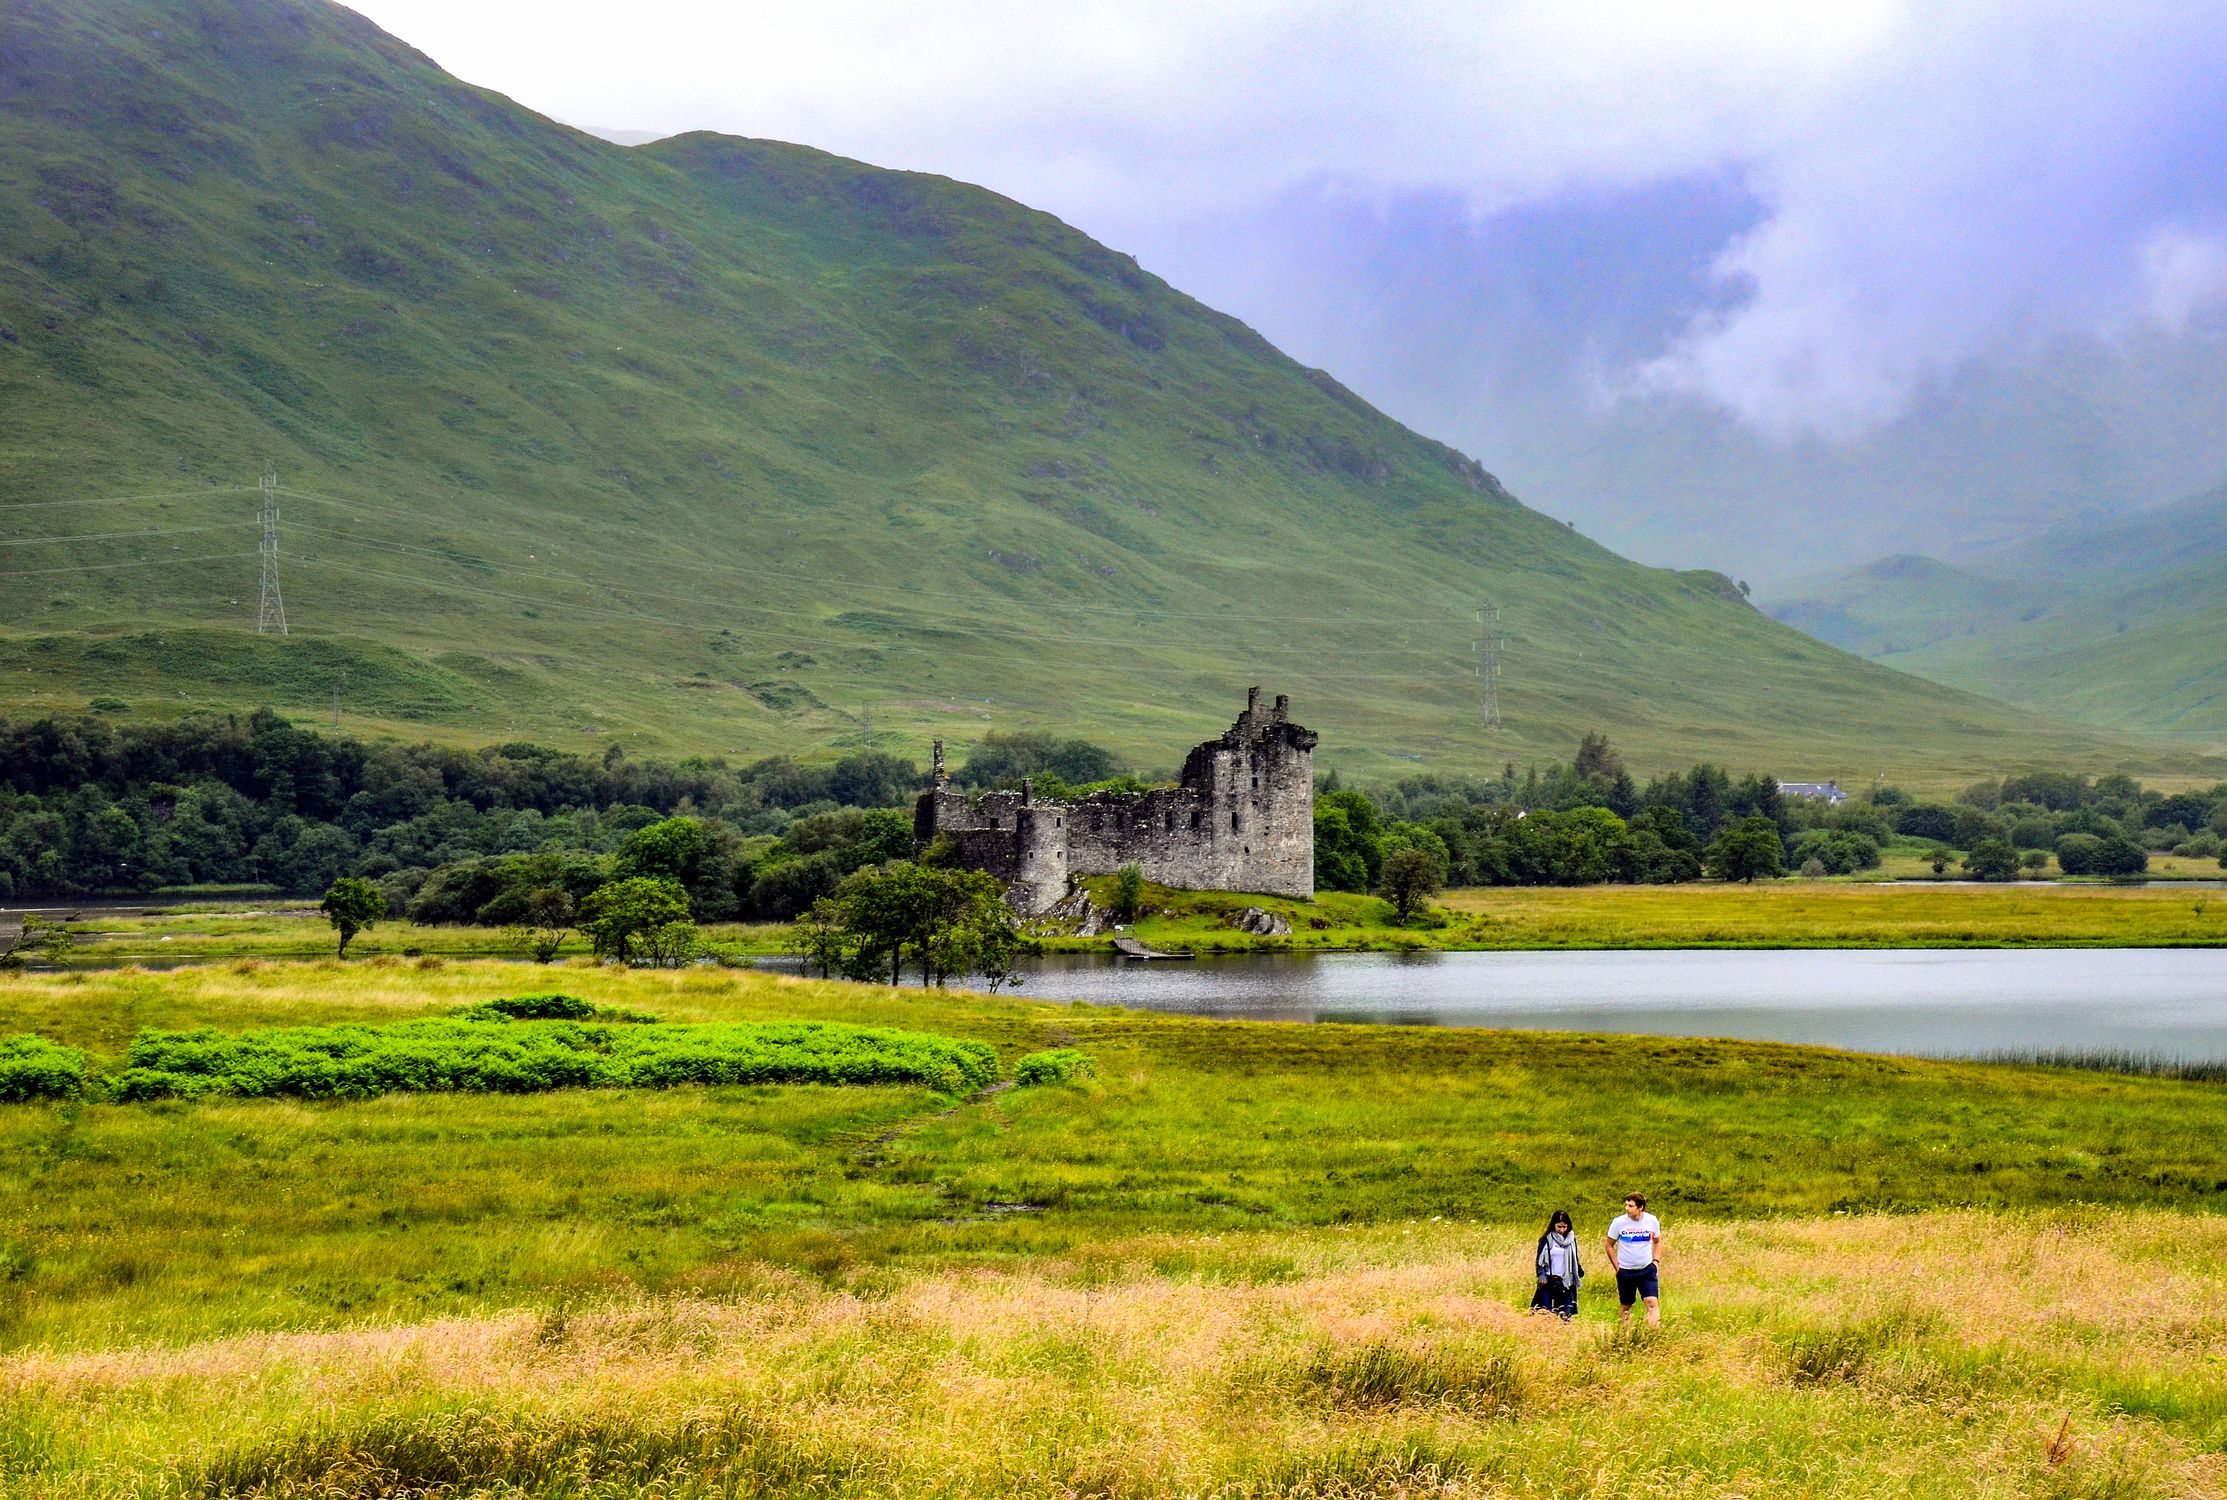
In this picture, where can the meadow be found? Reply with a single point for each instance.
(1768, 914)
(1239, 1259)
(1801, 1359)
(1236, 1259)
(422, 1204)
(1782, 914)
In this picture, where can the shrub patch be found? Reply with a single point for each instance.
(464, 1056)
(31, 1067)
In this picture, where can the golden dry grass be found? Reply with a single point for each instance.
(1942, 1354)
(1820, 914)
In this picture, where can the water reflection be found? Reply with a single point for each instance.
(1926, 1001)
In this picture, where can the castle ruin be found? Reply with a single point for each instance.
(1240, 818)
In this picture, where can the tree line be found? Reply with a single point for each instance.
(520, 834)
(89, 806)
(1589, 821)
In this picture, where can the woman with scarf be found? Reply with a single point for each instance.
(1559, 1271)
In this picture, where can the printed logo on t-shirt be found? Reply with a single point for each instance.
(1635, 1240)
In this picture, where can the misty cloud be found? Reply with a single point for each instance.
(1936, 180)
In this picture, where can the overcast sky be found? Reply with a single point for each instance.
(1892, 190)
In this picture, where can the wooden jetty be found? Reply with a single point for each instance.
(1129, 947)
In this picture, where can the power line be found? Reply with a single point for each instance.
(145, 562)
(755, 571)
(699, 625)
(105, 536)
(236, 489)
(819, 580)
(933, 625)
(270, 606)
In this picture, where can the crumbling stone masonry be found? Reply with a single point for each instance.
(1241, 818)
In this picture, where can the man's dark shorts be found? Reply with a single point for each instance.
(1633, 1285)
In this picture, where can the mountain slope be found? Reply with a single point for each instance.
(724, 445)
(2115, 623)
(1901, 603)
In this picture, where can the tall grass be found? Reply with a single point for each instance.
(1796, 1360)
(2130, 1063)
(407, 1205)
(1381, 1372)
(578, 1450)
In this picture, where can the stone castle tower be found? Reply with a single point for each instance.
(1240, 818)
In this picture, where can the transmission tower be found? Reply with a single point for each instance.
(1488, 664)
(270, 608)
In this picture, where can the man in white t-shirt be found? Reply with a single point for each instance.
(1635, 1248)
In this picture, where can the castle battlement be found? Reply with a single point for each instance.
(1240, 818)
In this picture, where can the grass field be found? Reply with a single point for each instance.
(1244, 1259)
(1776, 914)
(1908, 862)
(415, 1205)
(1785, 914)
(1799, 1359)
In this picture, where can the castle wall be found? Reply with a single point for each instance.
(1241, 818)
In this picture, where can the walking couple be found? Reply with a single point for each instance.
(1634, 1243)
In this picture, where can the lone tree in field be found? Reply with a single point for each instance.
(949, 922)
(1411, 877)
(642, 919)
(1128, 893)
(1746, 850)
(545, 917)
(352, 905)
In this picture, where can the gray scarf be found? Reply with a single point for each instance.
(1567, 1240)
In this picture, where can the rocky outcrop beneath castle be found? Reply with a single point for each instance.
(1240, 818)
(1262, 923)
(1077, 915)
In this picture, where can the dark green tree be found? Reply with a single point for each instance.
(643, 918)
(947, 921)
(1411, 877)
(2120, 856)
(545, 919)
(1346, 859)
(1747, 850)
(1128, 893)
(352, 905)
(821, 939)
(1597, 760)
(1992, 859)
(669, 850)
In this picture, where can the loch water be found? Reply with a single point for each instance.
(2167, 1002)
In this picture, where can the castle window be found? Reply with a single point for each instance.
(1171, 821)
(1059, 822)
(1197, 818)
(1236, 822)
(1256, 781)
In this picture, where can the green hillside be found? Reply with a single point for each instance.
(2115, 624)
(723, 445)
(1902, 603)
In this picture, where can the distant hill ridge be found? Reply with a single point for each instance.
(725, 445)
(2118, 623)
